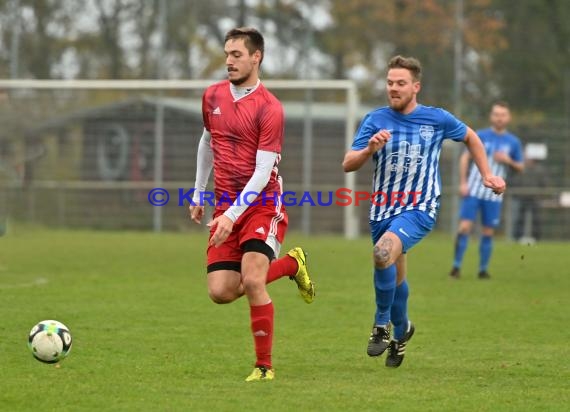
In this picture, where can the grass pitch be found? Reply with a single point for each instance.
(147, 338)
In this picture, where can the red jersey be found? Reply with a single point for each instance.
(239, 128)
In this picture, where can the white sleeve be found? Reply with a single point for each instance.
(204, 164)
(264, 162)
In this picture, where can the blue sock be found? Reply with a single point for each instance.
(385, 287)
(485, 250)
(460, 248)
(399, 311)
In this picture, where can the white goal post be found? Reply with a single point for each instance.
(351, 221)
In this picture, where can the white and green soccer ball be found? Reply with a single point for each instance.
(50, 341)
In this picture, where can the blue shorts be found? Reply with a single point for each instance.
(410, 226)
(490, 211)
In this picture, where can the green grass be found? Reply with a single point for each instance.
(147, 338)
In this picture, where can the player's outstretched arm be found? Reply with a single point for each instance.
(204, 163)
(477, 152)
(354, 159)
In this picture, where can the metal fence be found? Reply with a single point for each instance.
(87, 158)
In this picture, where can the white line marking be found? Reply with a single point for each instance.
(35, 282)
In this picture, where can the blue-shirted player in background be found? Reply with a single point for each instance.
(404, 140)
(504, 151)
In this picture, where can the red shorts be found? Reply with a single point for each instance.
(265, 221)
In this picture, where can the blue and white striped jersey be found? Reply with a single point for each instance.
(494, 142)
(406, 169)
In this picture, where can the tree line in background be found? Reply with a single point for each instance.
(518, 51)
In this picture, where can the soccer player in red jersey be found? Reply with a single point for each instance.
(242, 139)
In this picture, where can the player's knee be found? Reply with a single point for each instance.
(488, 231)
(253, 284)
(381, 257)
(464, 228)
(221, 295)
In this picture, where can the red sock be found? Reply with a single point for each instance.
(285, 266)
(262, 329)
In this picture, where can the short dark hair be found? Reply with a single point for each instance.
(253, 40)
(410, 63)
(501, 103)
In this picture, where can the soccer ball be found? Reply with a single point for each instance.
(50, 341)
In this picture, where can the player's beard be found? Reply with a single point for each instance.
(400, 104)
(240, 80)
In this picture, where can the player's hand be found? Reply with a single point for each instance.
(463, 189)
(502, 157)
(495, 183)
(378, 140)
(196, 213)
(223, 226)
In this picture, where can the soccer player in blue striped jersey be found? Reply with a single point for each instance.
(404, 142)
(504, 151)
